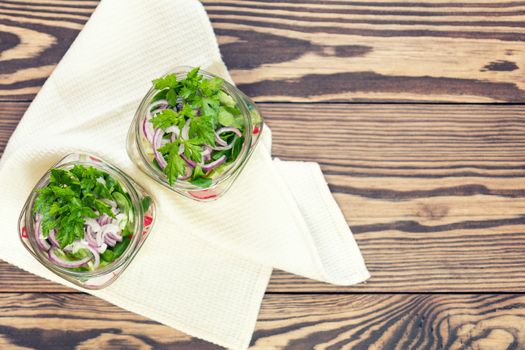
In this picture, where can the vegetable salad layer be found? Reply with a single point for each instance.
(193, 129)
(83, 218)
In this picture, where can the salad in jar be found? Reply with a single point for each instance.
(193, 130)
(83, 218)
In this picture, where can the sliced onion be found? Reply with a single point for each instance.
(206, 153)
(93, 224)
(77, 245)
(90, 239)
(180, 104)
(40, 240)
(223, 145)
(99, 237)
(104, 219)
(110, 202)
(158, 103)
(102, 248)
(113, 228)
(186, 176)
(214, 164)
(66, 263)
(52, 237)
(190, 162)
(157, 138)
(110, 241)
(186, 130)
(115, 236)
(229, 129)
(120, 217)
(147, 128)
(223, 148)
(220, 141)
(153, 113)
(175, 131)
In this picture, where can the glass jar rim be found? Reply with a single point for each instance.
(236, 94)
(128, 186)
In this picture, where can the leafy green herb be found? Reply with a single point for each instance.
(108, 255)
(207, 107)
(145, 203)
(168, 81)
(193, 149)
(203, 128)
(176, 165)
(171, 97)
(226, 118)
(203, 182)
(166, 118)
(121, 247)
(70, 197)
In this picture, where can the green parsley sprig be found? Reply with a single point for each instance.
(206, 106)
(70, 197)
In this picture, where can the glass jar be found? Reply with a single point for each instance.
(137, 143)
(142, 206)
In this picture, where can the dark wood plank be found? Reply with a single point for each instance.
(434, 194)
(77, 321)
(386, 50)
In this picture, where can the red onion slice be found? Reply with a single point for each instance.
(186, 130)
(77, 245)
(113, 228)
(110, 234)
(52, 237)
(120, 218)
(229, 129)
(40, 240)
(153, 113)
(115, 236)
(102, 248)
(214, 164)
(147, 129)
(206, 154)
(90, 239)
(220, 141)
(110, 241)
(175, 131)
(157, 138)
(223, 145)
(163, 103)
(104, 219)
(53, 257)
(93, 224)
(186, 176)
(190, 162)
(223, 148)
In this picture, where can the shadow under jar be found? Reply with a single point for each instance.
(203, 179)
(106, 242)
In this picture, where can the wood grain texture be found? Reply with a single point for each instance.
(357, 322)
(434, 194)
(386, 50)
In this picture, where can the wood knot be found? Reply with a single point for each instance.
(431, 211)
(500, 66)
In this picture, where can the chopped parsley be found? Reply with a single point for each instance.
(73, 195)
(204, 103)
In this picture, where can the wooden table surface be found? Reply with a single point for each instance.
(414, 111)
